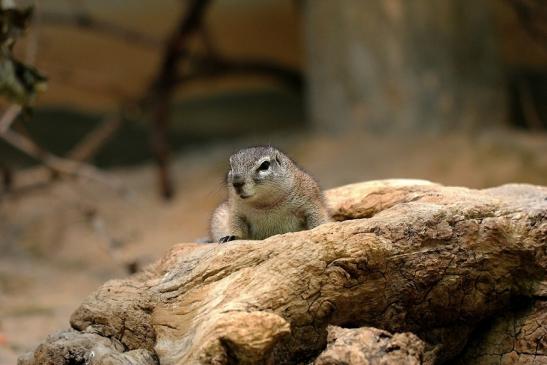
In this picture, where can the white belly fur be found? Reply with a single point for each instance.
(265, 223)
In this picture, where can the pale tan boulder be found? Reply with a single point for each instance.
(404, 256)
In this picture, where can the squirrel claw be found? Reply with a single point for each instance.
(226, 239)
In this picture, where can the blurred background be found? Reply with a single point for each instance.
(122, 152)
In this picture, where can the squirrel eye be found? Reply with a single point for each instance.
(264, 166)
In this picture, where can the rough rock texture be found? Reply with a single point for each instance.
(407, 256)
(516, 337)
(71, 347)
(365, 346)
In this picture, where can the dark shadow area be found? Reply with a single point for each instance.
(195, 122)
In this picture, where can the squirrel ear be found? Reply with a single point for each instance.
(277, 159)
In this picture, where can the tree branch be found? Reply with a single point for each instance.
(161, 89)
(95, 139)
(9, 116)
(58, 164)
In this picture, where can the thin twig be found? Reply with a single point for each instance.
(84, 150)
(94, 140)
(58, 164)
(9, 116)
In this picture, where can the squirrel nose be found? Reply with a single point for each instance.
(237, 181)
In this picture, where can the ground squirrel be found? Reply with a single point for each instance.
(267, 195)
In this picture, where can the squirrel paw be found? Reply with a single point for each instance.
(226, 239)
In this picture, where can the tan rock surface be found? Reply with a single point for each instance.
(408, 257)
(364, 346)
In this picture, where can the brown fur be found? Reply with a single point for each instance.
(281, 199)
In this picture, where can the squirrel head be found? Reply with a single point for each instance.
(260, 174)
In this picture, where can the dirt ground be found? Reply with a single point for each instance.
(61, 241)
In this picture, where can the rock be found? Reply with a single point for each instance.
(428, 263)
(73, 347)
(365, 346)
(515, 337)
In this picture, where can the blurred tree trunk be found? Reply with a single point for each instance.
(398, 65)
